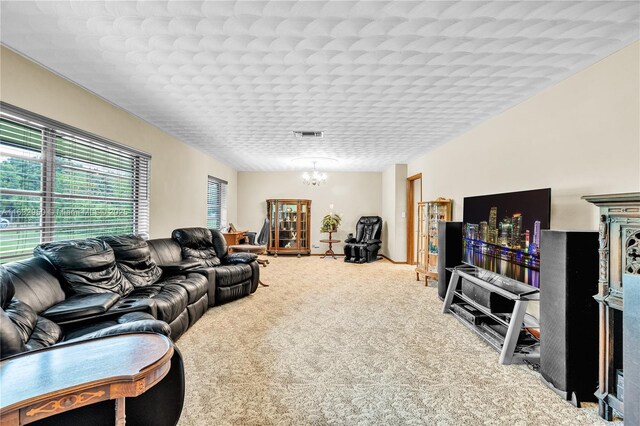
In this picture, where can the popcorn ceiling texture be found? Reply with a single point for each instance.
(334, 343)
(385, 80)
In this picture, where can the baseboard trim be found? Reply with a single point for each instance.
(393, 261)
(382, 255)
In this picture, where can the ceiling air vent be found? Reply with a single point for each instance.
(307, 134)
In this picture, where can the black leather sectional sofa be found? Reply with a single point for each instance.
(114, 284)
(86, 289)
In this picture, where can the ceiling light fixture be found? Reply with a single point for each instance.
(314, 178)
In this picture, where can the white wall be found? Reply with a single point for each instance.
(394, 200)
(579, 137)
(352, 194)
(178, 187)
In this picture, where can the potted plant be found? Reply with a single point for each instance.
(331, 222)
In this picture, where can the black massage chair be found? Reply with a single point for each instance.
(363, 248)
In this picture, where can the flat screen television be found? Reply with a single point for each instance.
(501, 233)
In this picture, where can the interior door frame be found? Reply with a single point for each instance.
(411, 202)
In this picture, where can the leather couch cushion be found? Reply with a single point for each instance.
(22, 329)
(233, 292)
(170, 299)
(179, 325)
(88, 266)
(195, 284)
(6, 287)
(219, 243)
(193, 237)
(10, 340)
(197, 309)
(23, 318)
(36, 283)
(133, 322)
(165, 251)
(229, 275)
(134, 259)
(238, 258)
(206, 257)
(11, 337)
(45, 334)
(197, 244)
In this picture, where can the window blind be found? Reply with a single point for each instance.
(59, 183)
(216, 203)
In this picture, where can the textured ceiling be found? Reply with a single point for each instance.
(384, 80)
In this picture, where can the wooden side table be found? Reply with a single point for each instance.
(39, 384)
(331, 242)
(233, 238)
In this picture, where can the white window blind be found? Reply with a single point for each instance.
(216, 203)
(59, 183)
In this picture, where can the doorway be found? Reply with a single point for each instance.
(414, 196)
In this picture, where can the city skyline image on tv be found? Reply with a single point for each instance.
(502, 232)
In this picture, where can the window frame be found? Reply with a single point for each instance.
(223, 207)
(54, 132)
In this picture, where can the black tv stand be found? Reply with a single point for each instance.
(514, 346)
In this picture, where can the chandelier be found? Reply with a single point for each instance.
(314, 178)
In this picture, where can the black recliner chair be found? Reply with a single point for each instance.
(236, 274)
(363, 248)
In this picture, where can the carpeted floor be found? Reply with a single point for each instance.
(336, 343)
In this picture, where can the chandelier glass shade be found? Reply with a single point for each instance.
(314, 178)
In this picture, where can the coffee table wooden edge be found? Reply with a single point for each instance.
(62, 400)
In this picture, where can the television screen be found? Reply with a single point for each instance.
(501, 233)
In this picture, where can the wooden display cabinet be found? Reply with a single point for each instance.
(429, 214)
(289, 226)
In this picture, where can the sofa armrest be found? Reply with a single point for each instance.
(123, 306)
(126, 306)
(210, 274)
(182, 266)
(81, 306)
(350, 239)
(372, 242)
(239, 258)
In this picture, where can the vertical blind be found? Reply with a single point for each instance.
(216, 203)
(59, 183)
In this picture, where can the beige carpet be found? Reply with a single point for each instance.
(336, 343)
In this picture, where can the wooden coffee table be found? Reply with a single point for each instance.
(39, 384)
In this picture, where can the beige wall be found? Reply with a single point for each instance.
(178, 171)
(394, 200)
(352, 194)
(581, 136)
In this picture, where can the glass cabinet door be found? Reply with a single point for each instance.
(272, 221)
(422, 236)
(433, 229)
(302, 229)
(287, 220)
(432, 232)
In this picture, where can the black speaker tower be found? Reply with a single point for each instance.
(449, 253)
(569, 314)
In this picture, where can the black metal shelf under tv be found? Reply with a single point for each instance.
(516, 345)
